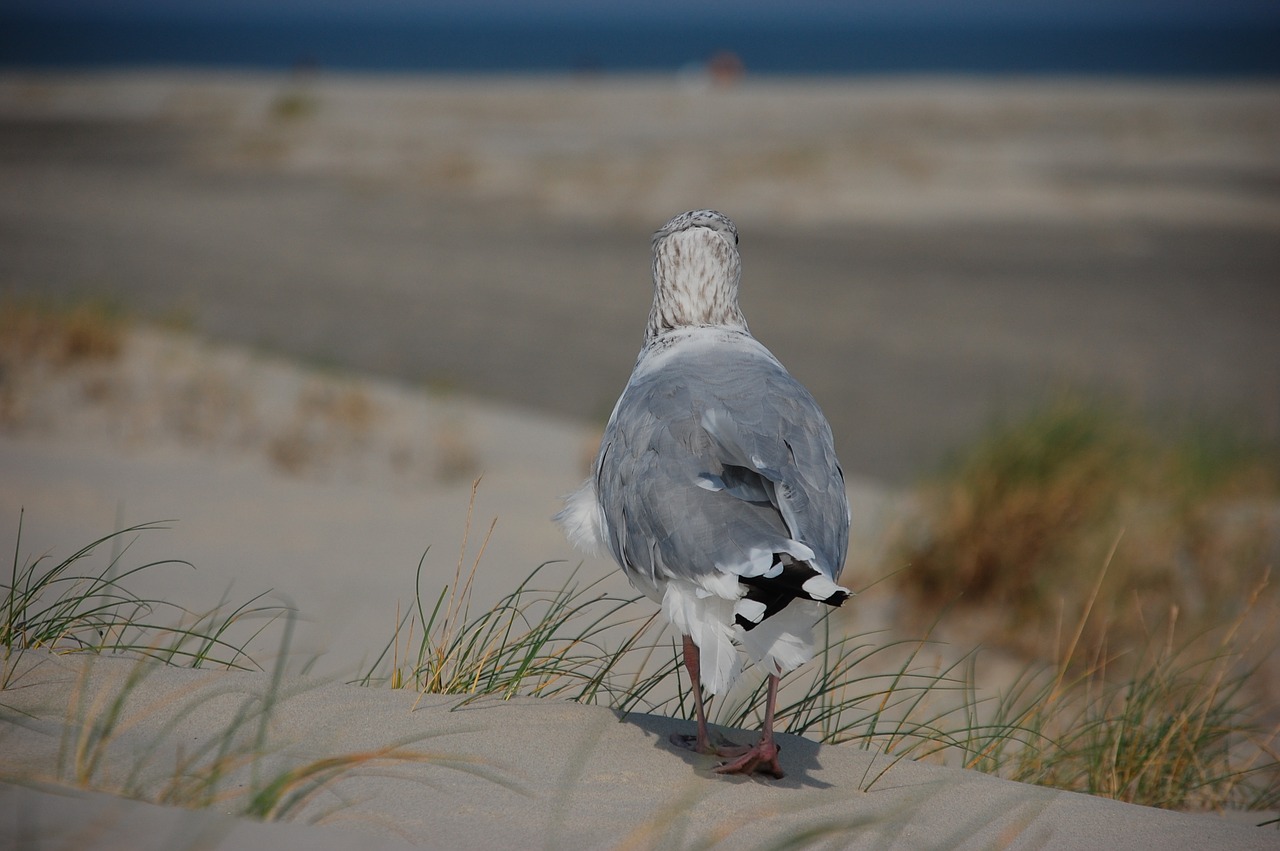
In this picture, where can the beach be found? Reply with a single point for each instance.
(349, 299)
(923, 254)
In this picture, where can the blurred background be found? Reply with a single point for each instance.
(946, 214)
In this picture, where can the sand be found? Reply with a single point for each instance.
(337, 538)
(321, 491)
(322, 486)
(922, 254)
(538, 773)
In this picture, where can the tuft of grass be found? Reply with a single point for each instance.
(64, 607)
(1004, 530)
(40, 339)
(518, 647)
(567, 641)
(1006, 519)
(1187, 525)
(240, 767)
(328, 419)
(91, 331)
(1169, 725)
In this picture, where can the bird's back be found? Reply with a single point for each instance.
(716, 462)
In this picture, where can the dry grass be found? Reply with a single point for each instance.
(36, 338)
(566, 641)
(241, 766)
(67, 606)
(153, 742)
(1168, 724)
(86, 332)
(83, 371)
(330, 418)
(1008, 533)
(1152, 678)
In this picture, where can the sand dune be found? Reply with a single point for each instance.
(532, 773)
(336, 539)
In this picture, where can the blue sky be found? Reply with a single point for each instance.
(940, 11)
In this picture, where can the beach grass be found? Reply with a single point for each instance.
(1171, 724)
(1167, 722)
(67, 606)
(40, 330)
(1014, 527)
(157, 745)
(548, 637)
(1169, 727)
(240, 765)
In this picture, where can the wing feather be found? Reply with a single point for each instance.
(716, 459)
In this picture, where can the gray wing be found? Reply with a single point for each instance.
(719, 460)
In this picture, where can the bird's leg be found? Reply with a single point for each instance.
(693, 664)
(702, 742)
(763, 756)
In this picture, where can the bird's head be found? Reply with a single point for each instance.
(696, 270)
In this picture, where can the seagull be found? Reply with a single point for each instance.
(716, 488)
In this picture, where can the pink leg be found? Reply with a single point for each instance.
(693, 664)
(763, 757)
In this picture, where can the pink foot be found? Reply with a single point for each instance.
(762, 758)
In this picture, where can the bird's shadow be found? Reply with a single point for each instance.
(799, 756)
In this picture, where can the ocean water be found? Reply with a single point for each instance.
(803, 47)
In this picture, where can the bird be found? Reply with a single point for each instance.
(716, 487)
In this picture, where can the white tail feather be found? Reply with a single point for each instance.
(580, 519)
(752, 610)
(784, 641)
(820, 587)
(707, 620)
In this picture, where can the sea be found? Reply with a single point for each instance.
(805, 47)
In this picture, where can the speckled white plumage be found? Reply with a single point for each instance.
(695, 275)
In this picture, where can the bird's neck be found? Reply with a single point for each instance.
(695, 284)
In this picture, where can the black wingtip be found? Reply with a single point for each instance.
(778, 591)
